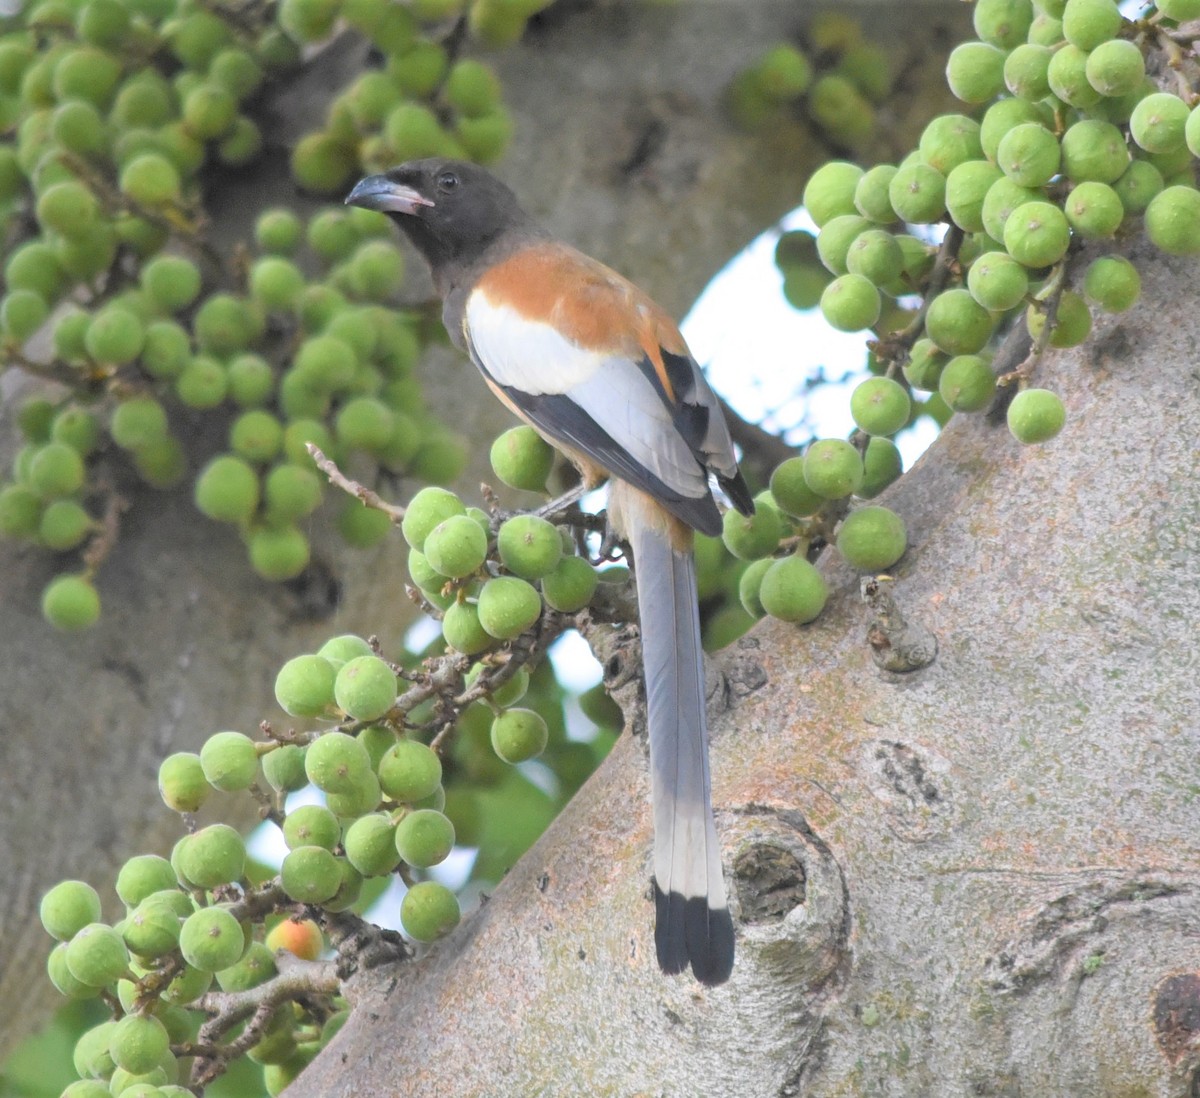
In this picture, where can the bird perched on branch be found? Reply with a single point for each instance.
(593, 364)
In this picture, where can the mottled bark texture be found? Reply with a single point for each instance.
(623, 147)
(978, 877)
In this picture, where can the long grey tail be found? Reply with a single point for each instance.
(693, 924)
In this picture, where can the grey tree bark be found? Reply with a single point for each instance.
(977, 877)
(623, 147)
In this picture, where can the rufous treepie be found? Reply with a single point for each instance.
(601, 371)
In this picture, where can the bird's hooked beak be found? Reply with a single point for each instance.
(377, 192)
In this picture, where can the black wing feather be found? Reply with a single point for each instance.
(561, 418)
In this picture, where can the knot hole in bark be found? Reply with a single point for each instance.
(1177, 1019)
(791, 901)
(771, 881)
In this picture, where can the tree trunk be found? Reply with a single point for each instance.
(977, 877)
(623, 147)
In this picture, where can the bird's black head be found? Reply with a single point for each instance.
(450, 209)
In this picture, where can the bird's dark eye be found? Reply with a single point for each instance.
(447, 181)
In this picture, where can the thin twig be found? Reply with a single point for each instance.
(550, 627)
(352, 487)
(524, 650)
(105, 539)
(49, 371)
(1175, 62)
(296, 978)
(1185, 35)
(1014, 351)
(183, 221)
(1050, 295)
(895, 348)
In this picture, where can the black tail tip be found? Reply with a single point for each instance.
(689, 932)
